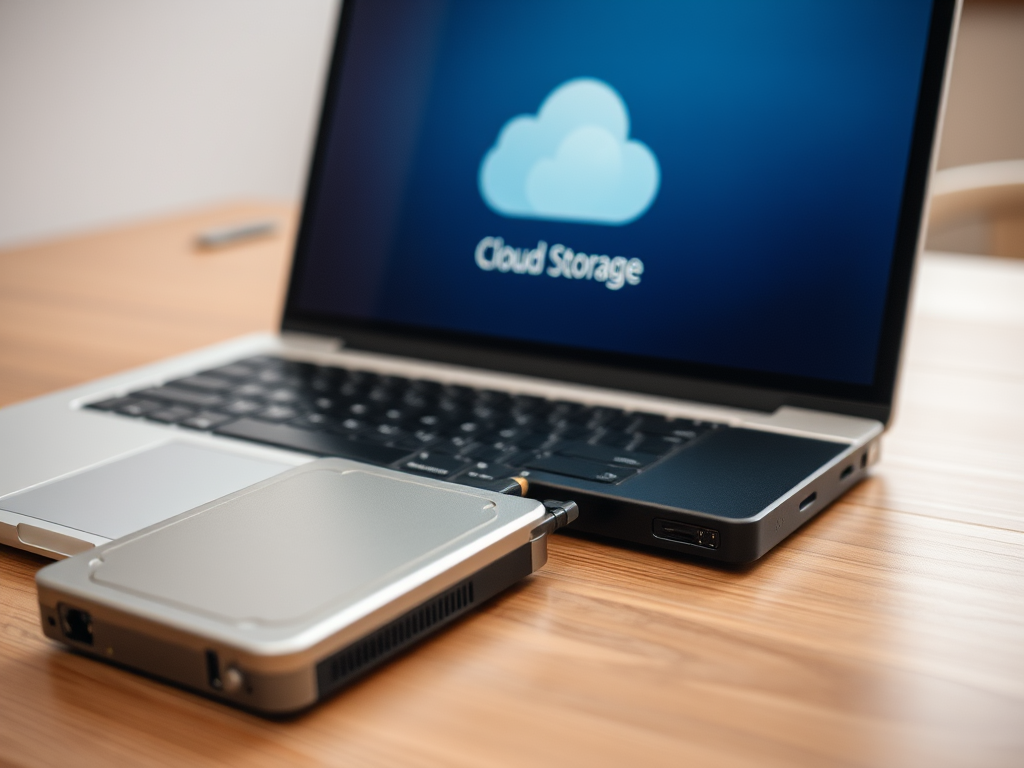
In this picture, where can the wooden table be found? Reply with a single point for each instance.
(889, 631)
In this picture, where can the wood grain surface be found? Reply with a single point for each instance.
(887, 632)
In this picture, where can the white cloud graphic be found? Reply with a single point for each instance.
(572, 161)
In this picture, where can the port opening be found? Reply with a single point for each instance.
(846, 472)
(77, 625)
(684, 533)
(673, 531)
(863, 459)
(806, 503)
(213, 670)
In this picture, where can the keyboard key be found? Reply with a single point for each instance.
(400, 415)
(454, 445)
(615, 438)
(241, 406)
(385, 433)
(416, 441)
(581, 468)
(430, 421)
(452, 410)
(325, 404)
(277, 413)
(526, 403)
(425, 436)
(321, 384)
(606, 454)
(392, 382)
(233, 371)
(596, 416)
(206, 420)
(184, 396)
(251, 390)
(137, 406)
(468, 428)
(433, 464)
(485, 413)
(424, 385)
(205, 382)
(360, 378)
(659, 444)
(314, 421)
(319, 443)
(509, 434)
(358, 409)
(530, 440)
(621, 423)
(271, 376)
(380, 395)
(173, 415)
(573, 432)
(350, 426)
(493, 397)
(520, 459)
(350, 389)
(456, 392)
(653, 424)
(282, 395)
(414, 399)
(482, 452)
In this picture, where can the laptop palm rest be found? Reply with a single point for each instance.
(122, 496)
(734, 473)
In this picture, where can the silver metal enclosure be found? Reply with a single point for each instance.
(277, 595)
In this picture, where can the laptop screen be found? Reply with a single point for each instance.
(705, 185)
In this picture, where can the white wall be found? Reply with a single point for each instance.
(112, 110)
(115, 109)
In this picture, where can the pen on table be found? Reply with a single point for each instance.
(230, 235)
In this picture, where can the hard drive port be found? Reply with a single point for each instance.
(77, 625)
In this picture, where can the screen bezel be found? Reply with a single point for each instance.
(691, 381)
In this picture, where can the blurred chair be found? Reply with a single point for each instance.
(978, 195)
(986, 195)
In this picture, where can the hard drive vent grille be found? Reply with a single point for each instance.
(348, 663)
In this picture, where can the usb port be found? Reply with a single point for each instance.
(213, 670)
(77, 625)
(806, 503)
(846, 472)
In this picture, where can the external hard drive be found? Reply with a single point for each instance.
(278, 595)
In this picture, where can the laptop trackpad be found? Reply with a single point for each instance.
(122, 496)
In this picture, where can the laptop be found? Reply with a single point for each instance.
(653, 256)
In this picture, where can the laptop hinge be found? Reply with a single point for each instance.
(314, 342)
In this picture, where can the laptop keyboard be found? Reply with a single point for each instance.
(446, 431)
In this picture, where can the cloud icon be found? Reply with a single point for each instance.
(572, 161)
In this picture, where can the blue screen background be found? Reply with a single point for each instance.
(782, 130)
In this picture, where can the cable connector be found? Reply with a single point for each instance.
(510, 486)
(559, 514)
